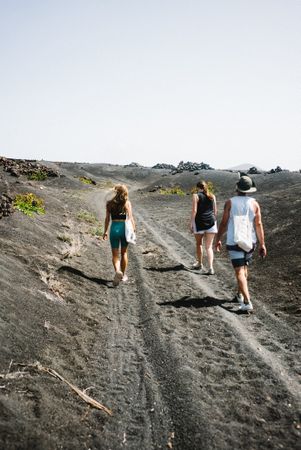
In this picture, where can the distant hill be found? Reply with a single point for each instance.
(244, 167)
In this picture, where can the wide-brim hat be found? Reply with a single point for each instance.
(245, 185)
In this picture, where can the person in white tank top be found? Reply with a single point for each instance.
(242, 205)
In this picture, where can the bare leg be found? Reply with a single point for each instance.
(115, 259)
(124, 259)
(242, 282)
(246, 275)
(199, 247)
(209, 237)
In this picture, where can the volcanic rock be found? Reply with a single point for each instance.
(6, 205)
(18, 167)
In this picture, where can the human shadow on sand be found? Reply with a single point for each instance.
(175, 268)
(205, 302)
(189, 302)
(79, 273)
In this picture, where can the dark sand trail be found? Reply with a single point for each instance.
(167, 351)
(211, 286)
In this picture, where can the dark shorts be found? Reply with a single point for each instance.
(117, 234)
(239, 258)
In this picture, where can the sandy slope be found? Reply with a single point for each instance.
(167, 352)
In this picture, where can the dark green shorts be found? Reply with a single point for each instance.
(117, 234)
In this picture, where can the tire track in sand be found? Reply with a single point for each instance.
(192, 374)
(283, 339)
(207, 380)
(212, 289)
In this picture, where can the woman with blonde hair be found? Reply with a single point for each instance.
(203, 224)
(118, 209)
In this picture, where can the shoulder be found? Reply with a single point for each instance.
(255, 205)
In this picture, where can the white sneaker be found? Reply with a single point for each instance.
(125, 278)
(210, 271)
(197, 266)
(117, 278)
(246, 306)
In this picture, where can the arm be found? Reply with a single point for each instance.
(107, 222)
(214, 207)
(194, 210)
(223, 225)
(259, 231)
(130, 214)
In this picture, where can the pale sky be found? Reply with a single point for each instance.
(119, 81)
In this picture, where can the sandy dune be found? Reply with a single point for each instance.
(167, 352)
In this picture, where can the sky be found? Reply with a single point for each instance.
(161, 81)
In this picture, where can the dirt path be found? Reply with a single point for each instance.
(198, 374)
(167, 351)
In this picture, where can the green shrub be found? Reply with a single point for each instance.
(86, 180)
(87, 217)
(29, 203)
(37, 175)
(176, 190)
(97, 231)
(211, 187)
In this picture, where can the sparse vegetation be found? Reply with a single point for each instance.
(211, 188)
(87, 180)
(29, 204)
(87, 217)
(90, 218)
(175, 190)
(97, 231)
(106, 184)
(65, 238)
(37, 175)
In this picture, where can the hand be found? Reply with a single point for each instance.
(218, 246)
(262, 251)
(105, 236)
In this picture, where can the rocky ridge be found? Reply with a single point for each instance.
(18, 167)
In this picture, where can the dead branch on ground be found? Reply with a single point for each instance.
(38, 367)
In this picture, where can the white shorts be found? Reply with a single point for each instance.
(210, 230)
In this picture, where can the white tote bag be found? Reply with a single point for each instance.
(243, 232)
(130, 234)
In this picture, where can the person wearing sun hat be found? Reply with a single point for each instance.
(238, 209)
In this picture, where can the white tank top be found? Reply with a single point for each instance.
(240, 205)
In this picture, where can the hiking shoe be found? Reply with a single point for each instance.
(197, 266)
(238, 298)
(246, 307)
(117, 278)
(210, 272)
(124, 278)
